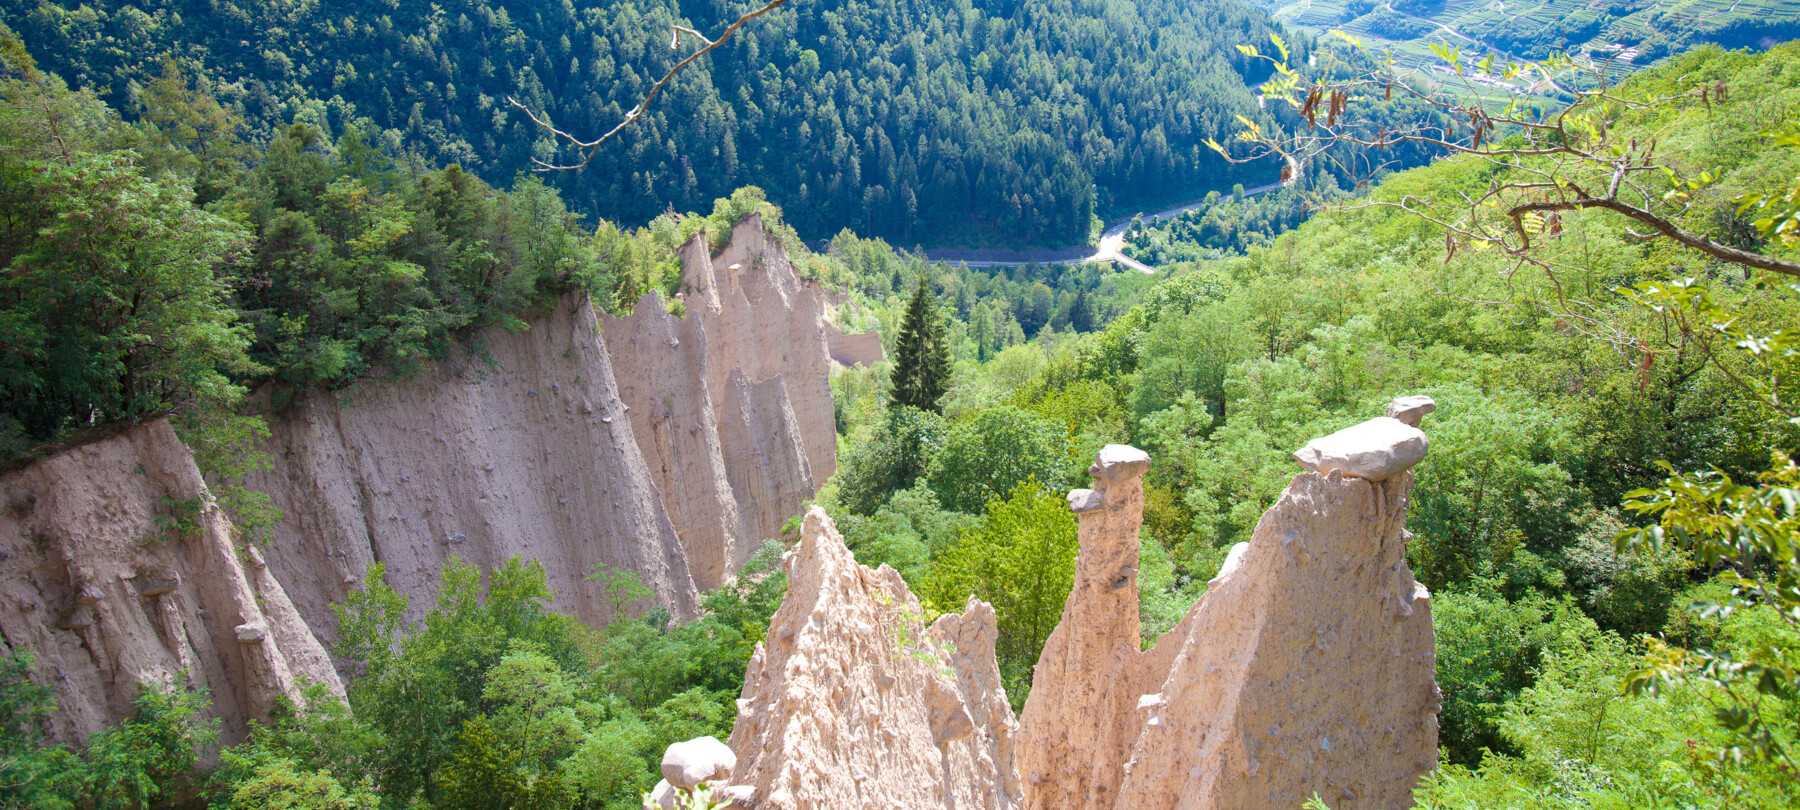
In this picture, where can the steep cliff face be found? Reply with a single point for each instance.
(660, 361)
(666, 446)
(1307, 667)
(730, 404)
(768, 325)
(853, 702)
(116, 570)
(527, 450)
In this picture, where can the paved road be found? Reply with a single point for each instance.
(1110, 249)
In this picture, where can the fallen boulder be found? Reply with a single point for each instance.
(702, 759)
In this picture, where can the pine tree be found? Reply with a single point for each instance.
(981, 332)
(1081, 314)
(921, 355)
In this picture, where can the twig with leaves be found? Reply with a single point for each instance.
(588, 149)
(1574, 159)
(1543, 164)
(1753, 531)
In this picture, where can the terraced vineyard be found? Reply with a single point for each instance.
(1633, 33)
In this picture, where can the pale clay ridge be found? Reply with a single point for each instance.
(664, 446)
(528, 450)
(730, 404)
(1307, 667)
(108, 599)
(852, 701)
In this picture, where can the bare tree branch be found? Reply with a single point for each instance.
(591, 148)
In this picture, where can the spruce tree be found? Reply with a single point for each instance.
(921, 355)
(1081, 314)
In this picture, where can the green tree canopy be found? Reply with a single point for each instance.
(113, 310)
(989, 453)
(921, 354)
(1021, 559)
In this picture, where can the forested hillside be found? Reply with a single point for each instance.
(934, 122)
(1561, 391)
(1633, 33)
(216, 226)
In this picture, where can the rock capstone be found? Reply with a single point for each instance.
(1411, 410)
(1375, 450)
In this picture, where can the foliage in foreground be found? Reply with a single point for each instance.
(146, 761)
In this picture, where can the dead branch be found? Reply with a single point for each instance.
(591, 148)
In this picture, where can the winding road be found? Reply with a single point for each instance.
(1110, 249)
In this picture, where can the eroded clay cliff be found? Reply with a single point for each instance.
(523, 446)
(118, 570)
(853, 702)
(730, 401)
(523, 450)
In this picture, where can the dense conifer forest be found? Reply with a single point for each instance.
(919, 121)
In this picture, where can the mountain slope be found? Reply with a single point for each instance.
(927, 121)
(1634, 32)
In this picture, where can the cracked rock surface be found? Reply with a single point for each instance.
(111, 588)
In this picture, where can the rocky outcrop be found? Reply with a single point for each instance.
(117, 570)
(660, 361)
(1307, 667)
(525, 449)
(853, 702)
(730, 402)
(767, 325)
(1083, 702)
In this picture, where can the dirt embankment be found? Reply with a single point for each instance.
(117, 569)
(661, 445)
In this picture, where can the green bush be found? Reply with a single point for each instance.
(1021, 559)
(986, 455)
(896, 456)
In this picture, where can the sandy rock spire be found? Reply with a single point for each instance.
(853, 702)
(1307, 667)
(1077, 726)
